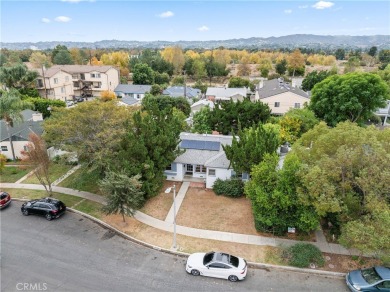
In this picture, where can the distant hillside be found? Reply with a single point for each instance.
(289, 41)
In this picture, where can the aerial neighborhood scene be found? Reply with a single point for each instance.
(195, 146)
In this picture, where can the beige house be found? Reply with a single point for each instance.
(281, 96)
(66, 81)
(226, 94)
(54, 83)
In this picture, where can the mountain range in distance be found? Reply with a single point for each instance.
(290, 41)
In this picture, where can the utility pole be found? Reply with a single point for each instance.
(185, 86)
(44, 81)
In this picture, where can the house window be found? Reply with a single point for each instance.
(55, 80)
(75, 84)
(169, 167)
(97, 85)
(297, 105)
(66, 78)
(211, 172)
(277, 104)
(95, 75)
(138, 96)
(200, 169)
(39, 83)
(4, 148)
(62, 89)
(75, 76)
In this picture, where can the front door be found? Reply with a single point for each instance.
(190, 169)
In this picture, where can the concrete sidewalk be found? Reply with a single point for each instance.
(179, 199)
(192, 232)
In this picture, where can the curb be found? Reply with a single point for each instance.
(182, 254)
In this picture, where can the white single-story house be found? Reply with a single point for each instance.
(132, 90)
(179, 91)
(226, 94)
(281, 96)
(384, 113)
(32, 122)
(197, 106)
(203, 159)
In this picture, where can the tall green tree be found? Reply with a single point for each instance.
(250, 147)
(124, 194)
(143, 74)
(275, 202)
(63, 57)
(17, 76)
(201, 122)
(281, 67)
(372, 51)
(228, 114)
(313, 78)
(340, 54)
(238, 82)
(353, 97)
(11, 107)
(164, 101)
(150, 145)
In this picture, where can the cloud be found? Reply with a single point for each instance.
(166, 14)
(323, 5)
(62, 19)
(45, 20)
(288, 11)
(203, 28)
(303, 6)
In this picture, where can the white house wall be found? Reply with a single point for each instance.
(220, 173)
(287, 101)
(175, 175)
(55, 91)
(18, 147)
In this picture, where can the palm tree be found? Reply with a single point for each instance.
(11, 106)
(17, 76)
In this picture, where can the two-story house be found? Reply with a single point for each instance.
(281, 96)
(54, 83)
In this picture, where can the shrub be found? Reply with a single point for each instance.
(231, 187)
(303, 254)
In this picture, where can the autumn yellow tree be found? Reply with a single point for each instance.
(107, 95)
(38, 59)
(120, 59)
(175, 56)
(296, 61)
(96, 62)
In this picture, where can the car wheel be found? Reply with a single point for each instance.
(48, 217)
(25, 212)
(232, 278)
(195, 272)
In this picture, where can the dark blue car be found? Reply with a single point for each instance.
(371, 279)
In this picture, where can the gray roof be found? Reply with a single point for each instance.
(129, 100)
(133, 88)
(225, 92)
(21, 131)
(177, 91)
(208, 158)
(50, 72)
(277, 86)
(83, 68)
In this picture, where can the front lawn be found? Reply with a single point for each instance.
(90, 207)
(84, 180)
(11, 174)
(56, 170)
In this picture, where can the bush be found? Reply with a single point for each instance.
(303, 254)
(231, 187)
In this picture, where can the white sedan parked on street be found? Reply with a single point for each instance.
(217, 265)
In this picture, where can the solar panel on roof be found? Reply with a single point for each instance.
(200, 145)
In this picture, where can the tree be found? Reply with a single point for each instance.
(238, 82)
(199, 85)
(143, 74)
(372, 51)
(124, 194)
(275, 202)
(3, 160)
(17, 76)
(313, 78)
(175, 56)
(201, 122)
(156, 90)
(107, 95)
(214, 69)
(264, 67)
(38, 60)
(161, 78)
(164, 102)
(353, 97)
(250, 147)
(227, 115)
(340, 54)
(384, 57)
(296, 62)
(352, 64)
(36, 154)
(11, 106)
(150, 145)
(63, 57)
(281, 67)
(199, 69)
(349, 166)
(94, 133)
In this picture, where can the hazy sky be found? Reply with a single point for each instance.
(94, 20)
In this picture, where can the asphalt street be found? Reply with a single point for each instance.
(73, 253)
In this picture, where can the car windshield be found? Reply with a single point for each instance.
(371, 276)
(233, 261)
(208, 257)
(3, 196)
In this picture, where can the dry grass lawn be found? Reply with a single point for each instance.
(158, 206)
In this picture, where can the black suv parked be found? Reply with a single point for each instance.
(48, 207)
